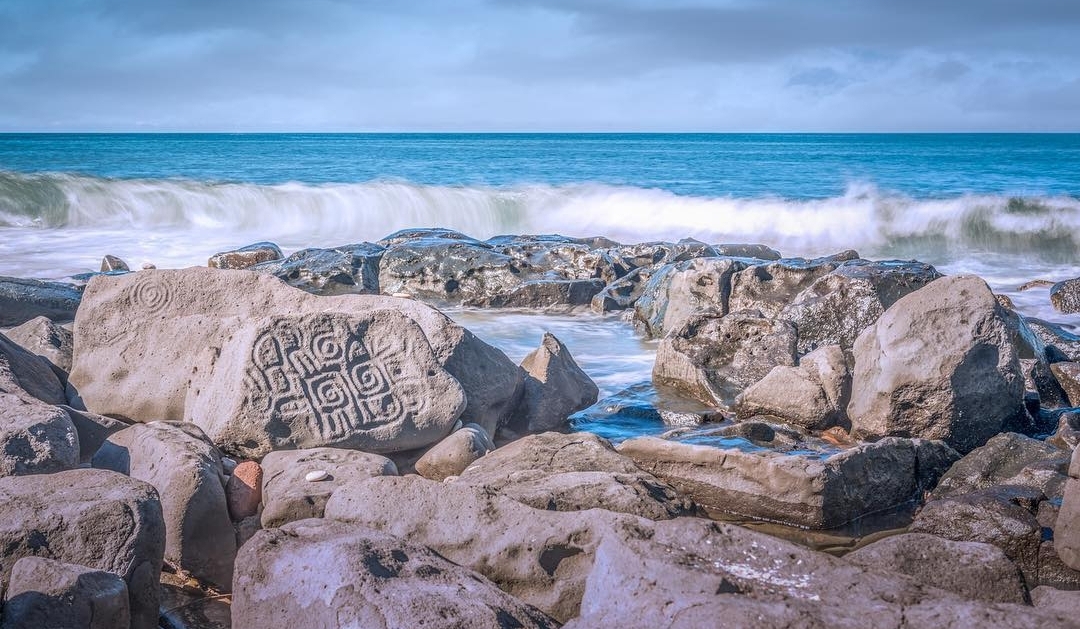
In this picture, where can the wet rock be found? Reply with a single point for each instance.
(93, 518)
(447, 270)
(677, 291)
(841, 304)
(575, 472)
(331, 574)
(544, 293)
(348, 269)
(555, 388)
(624, 292)
(185, 468)
(1065, 296)
(424, 233)
(568, 258)
(47, 593)
(23, 299)
(798, 489)
(712, 358)
(23, 373)
(1068, 376)
(245, 257)
(1007, 459)
(289, 494)
(813, 395)
(44, 338)
(453, 454)
(1061, 344)
(971, 569)
(760, 252)
(641, 409)
(35, 438)
(941, 363)
(769, 288)
(243, 491)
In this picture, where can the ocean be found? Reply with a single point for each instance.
(1003, 206)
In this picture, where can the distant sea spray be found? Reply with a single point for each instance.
(876, 222)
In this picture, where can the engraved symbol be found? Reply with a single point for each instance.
(151, 293)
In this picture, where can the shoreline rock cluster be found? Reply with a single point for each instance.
(347, 455)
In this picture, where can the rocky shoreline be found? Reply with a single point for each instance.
(308, 440)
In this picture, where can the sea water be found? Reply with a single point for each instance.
(1005, 207)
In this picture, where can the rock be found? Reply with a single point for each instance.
(367, 381)
(676, 292)
(422, 233)
(799, 489)
(1053, 571)
(243, 491)
(713, 358)
(1067, 434)
(447, 270)
(1068, 376)
(553, 255)
(813, 395)
(245, 257)
(44, 338)
(1061, 344)
(1006, 459)
(23, 299)
(973, 570)
(841, 304)
(1065, 601)
(453, 454)
(760, 252)
(171, 318)
(769, 288)
(94, 518)
(23, 373)
(47, 593)
(1067, 529)
(555, 388)
(541, 293)
(113, 264)
(181, 463)
(622, 293)
(288, 493)
(317, 573)
(92, 429)
(1002, 516)
(941, 363)
(348, 269)
(1065, 296)
(35, 438)
(575, 472)
(1040, 381)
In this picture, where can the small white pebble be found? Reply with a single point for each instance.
(402, 295)
(316, 476)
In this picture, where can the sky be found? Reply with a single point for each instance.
(540, 65)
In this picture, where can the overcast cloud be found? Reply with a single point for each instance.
(543, 65)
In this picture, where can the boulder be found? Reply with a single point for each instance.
(446, 270)
(421, 233)
(44, 338)
(453, 454)
(675, 292)
(808, 490)
(113, 264)
(367, 381)
(743, 250)
(93, 518)
(288, 495)
(348, 269)
(23, 299)
(813, 395)
(93, 430)
(1067, 529)
(553, 255)
(35, 438)
(712, 358)
(1052, 570)
(973, 570)
(770, 287)
(243, 490)
(1068, 376)
(941, 363)
(1062, 345)
(1007, 459)
(23, 373)
(55, 595)
(1048, 598)
(175, 320)
(245, 257)
(624, 292)
(1065, 296)
(1067, 434)
(543, 293)
(575, 472)
(318, 573)
(185, 468)
(555, 388)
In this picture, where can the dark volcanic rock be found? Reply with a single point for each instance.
(1061, 344)
(624, 292)
(24, 299)
(544, 293)
(675, 292)
(447, 270)
(770, 287)
(338, 271)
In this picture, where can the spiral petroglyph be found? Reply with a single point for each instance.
(152, 293)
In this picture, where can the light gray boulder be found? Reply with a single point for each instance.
(51, 594)
(44, 338)
(677, 291)
(813, 395)
(35, 438)
(93, 518)
(769, 288)
(24, 373)
(288, 495)
(320, 573)
(941, 363)
(456, 452)
(185, 468)
(555, 388)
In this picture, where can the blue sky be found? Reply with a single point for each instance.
(540, 65)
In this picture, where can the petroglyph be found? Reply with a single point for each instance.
(152, 293)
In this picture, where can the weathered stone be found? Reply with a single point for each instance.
(675, 292)
(1065, 296)
(809, 491)
(35, 438)
(567, 258)
(288, 497)
(23, 299)
(973, 570)
(813, 395)
(769, 288)
(422, 233)
(367, 381)
(348, 269)
(555, 388)
(447, 270)
(23, 373)
(546, 293)
(93, 518)
(318, 573)
(1053, 571)
(1006, 459)
(941, 363)
(622, 293)
(575, 472)
(1068, 376)
(44, 338)
(1049, 598)
(185, 468)
(1039, 379)
(243, 491)
(712, 358)
(113, 264)
(453, 454)
(245, 257)
(1067, 529)
(740, 250)
(1067, 434)
(1061, 344)
(93, 430)
(55, 595)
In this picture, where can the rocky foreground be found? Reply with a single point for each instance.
(308, 441)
